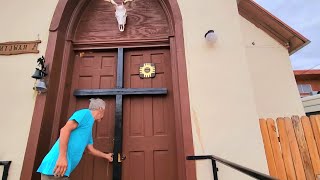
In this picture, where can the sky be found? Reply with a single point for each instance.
(304, 17)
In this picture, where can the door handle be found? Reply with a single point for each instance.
(121, 157)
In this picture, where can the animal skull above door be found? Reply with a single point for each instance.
(121, 13)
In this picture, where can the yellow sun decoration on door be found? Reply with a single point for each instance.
(147, 70)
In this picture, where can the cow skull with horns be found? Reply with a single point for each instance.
(121, 13)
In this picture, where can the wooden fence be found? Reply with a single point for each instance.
(292, 147)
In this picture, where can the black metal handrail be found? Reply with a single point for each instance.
(6, 165)
(245, 170)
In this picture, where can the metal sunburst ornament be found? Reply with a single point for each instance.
(147, 70)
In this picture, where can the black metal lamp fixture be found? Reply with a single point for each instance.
(39, 75)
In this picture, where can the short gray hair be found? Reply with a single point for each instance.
(96, 104)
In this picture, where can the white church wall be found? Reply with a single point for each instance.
(224, 117)
(227, 87)
(275, 90)
(21, 21)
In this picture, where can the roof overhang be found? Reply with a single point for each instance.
(307, 74)
(281, 32)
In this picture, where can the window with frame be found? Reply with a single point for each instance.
(305, 88)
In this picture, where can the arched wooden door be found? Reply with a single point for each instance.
(148, 131)
(90, 26)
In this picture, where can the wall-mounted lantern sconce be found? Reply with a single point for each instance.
(39, 75)
(40, 86)
(211, 36)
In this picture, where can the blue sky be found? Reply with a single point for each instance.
(304, 17)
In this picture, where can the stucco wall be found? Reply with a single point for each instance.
(21, 21)
(224, 115)
(275, 90)
(224, 118)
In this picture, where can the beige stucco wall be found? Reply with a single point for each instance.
(227, 85)
(224, 117)
(275, 90)
(21, 21)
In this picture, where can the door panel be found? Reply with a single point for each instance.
(94, 71)
(148, 121)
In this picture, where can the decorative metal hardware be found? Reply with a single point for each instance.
(147, 70)
(81, 54)
(6, 168)
(121, 158)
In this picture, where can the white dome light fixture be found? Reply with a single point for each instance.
(211, 36)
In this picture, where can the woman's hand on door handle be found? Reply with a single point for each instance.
(109, 156)
(97, 153)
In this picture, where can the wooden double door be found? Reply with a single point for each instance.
(148, 124)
